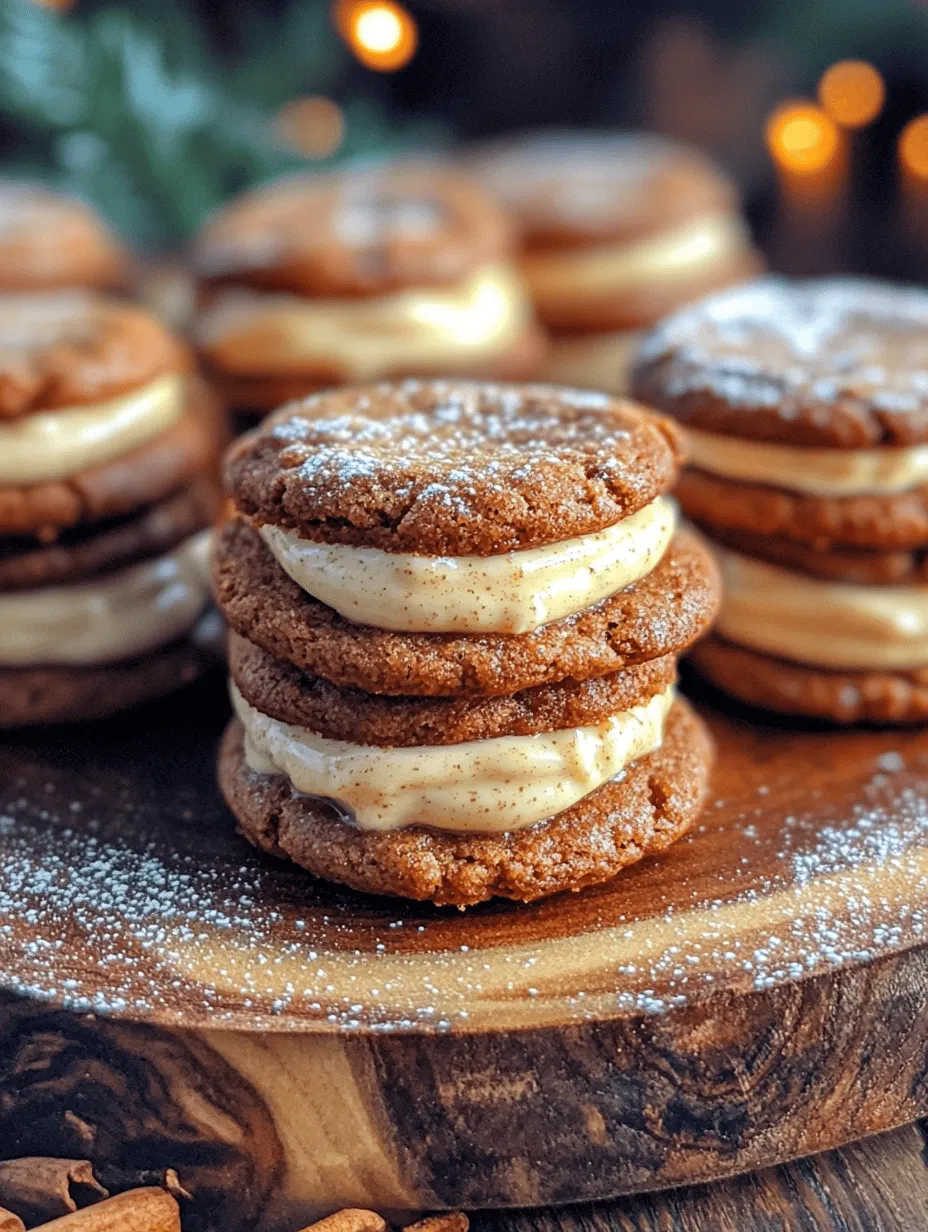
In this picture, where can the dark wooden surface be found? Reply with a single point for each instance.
(879, 1185)
(177, 1001)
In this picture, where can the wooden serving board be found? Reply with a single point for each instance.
(174, 999)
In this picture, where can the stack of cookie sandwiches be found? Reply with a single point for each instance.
(50, 242)
(107, 462)
(457, 612)
(618, 230)
(324, 280)
(807, 410)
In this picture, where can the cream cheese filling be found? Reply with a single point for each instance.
(821, 623)
(679, 252)
(251, 332)
(512, 593)
(105, 619)
(482, 786)
(46, 445)
(817, 472)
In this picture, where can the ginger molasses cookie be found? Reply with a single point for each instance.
(617, 229)
(806, 406)
(393, 271)
(456, 613)
(48, 241)
(108, 447)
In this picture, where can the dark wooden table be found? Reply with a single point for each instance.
(878, 1185)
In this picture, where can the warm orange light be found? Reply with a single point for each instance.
(802, 137)
(381, 33)
(313, 126)
(913, 147)
(852, 92)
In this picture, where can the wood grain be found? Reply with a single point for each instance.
(177, 1001)
(880, 1185)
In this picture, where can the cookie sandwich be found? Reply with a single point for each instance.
(618, 229)
(107, 462)
(52, 242)
(806, 409)
(326, 280)
(457, 610)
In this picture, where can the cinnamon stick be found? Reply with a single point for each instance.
(10, 1222)
(38, 1189)
(348, 1221)
(451, 1221)
(136, 1210)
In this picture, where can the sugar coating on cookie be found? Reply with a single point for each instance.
(836, 363)
(452, 468)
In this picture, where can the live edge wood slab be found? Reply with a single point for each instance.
(172, 999)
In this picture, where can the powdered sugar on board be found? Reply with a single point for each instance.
(124, 891)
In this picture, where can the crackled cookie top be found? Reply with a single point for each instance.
(836, 363)
(452, 468)
(355, 233)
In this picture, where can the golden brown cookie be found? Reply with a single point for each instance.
(639, 813)
(32, 696)
(354, 233)
(277, 688)
(139, 478)
(855, 565)
(452, 468)
(48, 242)
(113, 544)
(837, 363)
(69, 348)
(794, 688)
(662, 614)
(879, 522)
(568, 189)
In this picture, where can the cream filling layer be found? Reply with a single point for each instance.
(821, 623)
(103, 620)
(679, 252)
(513, 593)
(816, 472)
(249, 332)
(48, 445)
(484, 786)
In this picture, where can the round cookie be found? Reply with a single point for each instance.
(277, 688)
(32, 696)
(833, 363)
(48, 241)
(879, 522)
(111, 545)
(452, 468)
(112, 489)
(794, 688)
(663, 613)
(569, 189)
(636, 814)
(361, 233)
(70, 348)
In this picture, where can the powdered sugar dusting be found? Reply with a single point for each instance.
(124, 890)
(772, 341)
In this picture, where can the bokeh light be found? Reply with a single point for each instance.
(913, 147)
(802, 137)
(313, 126)
(381, 33)
(852, 92)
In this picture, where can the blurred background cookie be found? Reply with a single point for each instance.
(108, 444)
(616, 230)
(397, 271)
